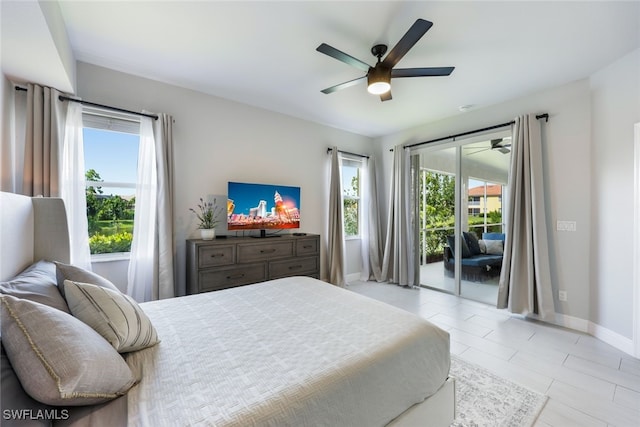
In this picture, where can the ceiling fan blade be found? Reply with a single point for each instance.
(344, 85)
(411, 37)
(478, 151)
(386, 96)
(422, 72)
(343, 57)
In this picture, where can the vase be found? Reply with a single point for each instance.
(208, 233)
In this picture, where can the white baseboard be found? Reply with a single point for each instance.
(614, 339)
(571, 322)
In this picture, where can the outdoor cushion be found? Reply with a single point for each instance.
(472, 242)
(465, 249)
(493, 236)
(480, 260)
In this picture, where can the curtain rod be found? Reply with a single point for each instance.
(544, 116)
(93, 104)
(346, 152)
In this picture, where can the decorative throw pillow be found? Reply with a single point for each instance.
(36, 283)
(58, 359)
(466, 253)
(77, 274)
(483, 246)
(114, 315)
(15, 398)
(494, 247)
(472, 242)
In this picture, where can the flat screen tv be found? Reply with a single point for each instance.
(262, 207)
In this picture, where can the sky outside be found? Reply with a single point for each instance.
(114, 155)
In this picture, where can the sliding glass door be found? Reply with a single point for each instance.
(459, 203)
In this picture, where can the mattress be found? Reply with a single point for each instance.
(288, 352)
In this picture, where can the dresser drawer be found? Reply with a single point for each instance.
(307, 246)
(215, 255)
(265, 251)
(293, 267)
(228, 277)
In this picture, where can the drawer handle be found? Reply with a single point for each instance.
(295, 267)
(237, 276)
(307, 246)
(217, 255)
(267, 251)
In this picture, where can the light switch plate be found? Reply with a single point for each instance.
(566, 226)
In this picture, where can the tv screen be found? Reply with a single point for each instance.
(262, 206)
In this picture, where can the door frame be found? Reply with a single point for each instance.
(456, 144)
(636, 242)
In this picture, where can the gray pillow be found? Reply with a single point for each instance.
(14, 398)
(77, 274)
(58, 359)
(36, 283)
(115, 316)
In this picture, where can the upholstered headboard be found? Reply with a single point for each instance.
(31, 229)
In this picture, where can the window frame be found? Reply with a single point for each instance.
(108, 120)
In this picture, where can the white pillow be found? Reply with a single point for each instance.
(114, 315)
(494, 247)
(483, 246)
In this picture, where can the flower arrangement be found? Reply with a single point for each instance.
(206, 214)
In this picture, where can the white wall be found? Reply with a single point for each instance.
(216, 140)
(615, 107)
(567, 163)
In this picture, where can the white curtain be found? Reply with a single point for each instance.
(371, 243)
(525, 280)
(335, 233)
(399, 263)
(73, 189)
(142, 265)
(151, 267)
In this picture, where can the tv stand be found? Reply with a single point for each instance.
(235, 261)
(263, 234)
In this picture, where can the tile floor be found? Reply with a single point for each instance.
(589, 383)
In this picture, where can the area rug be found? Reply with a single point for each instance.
(485, 399)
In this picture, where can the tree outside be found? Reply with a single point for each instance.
(110, 218)
(351, 200)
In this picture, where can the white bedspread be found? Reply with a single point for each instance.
(290, 352)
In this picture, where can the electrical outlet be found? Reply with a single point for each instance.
(562, 295)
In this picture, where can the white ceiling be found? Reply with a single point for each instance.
(263, 53)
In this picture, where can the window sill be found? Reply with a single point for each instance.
(116, 256)
(352, 238)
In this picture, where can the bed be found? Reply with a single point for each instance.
(288, 352)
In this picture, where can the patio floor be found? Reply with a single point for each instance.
(432, 275)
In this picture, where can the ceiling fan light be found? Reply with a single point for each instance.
(378, 81)
(378, 88)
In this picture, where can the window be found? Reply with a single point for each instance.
(351, 195)
(111, 157)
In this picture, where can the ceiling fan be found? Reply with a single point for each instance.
(379, 76)
(501, 144)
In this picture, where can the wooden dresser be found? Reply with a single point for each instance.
(235, 261)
